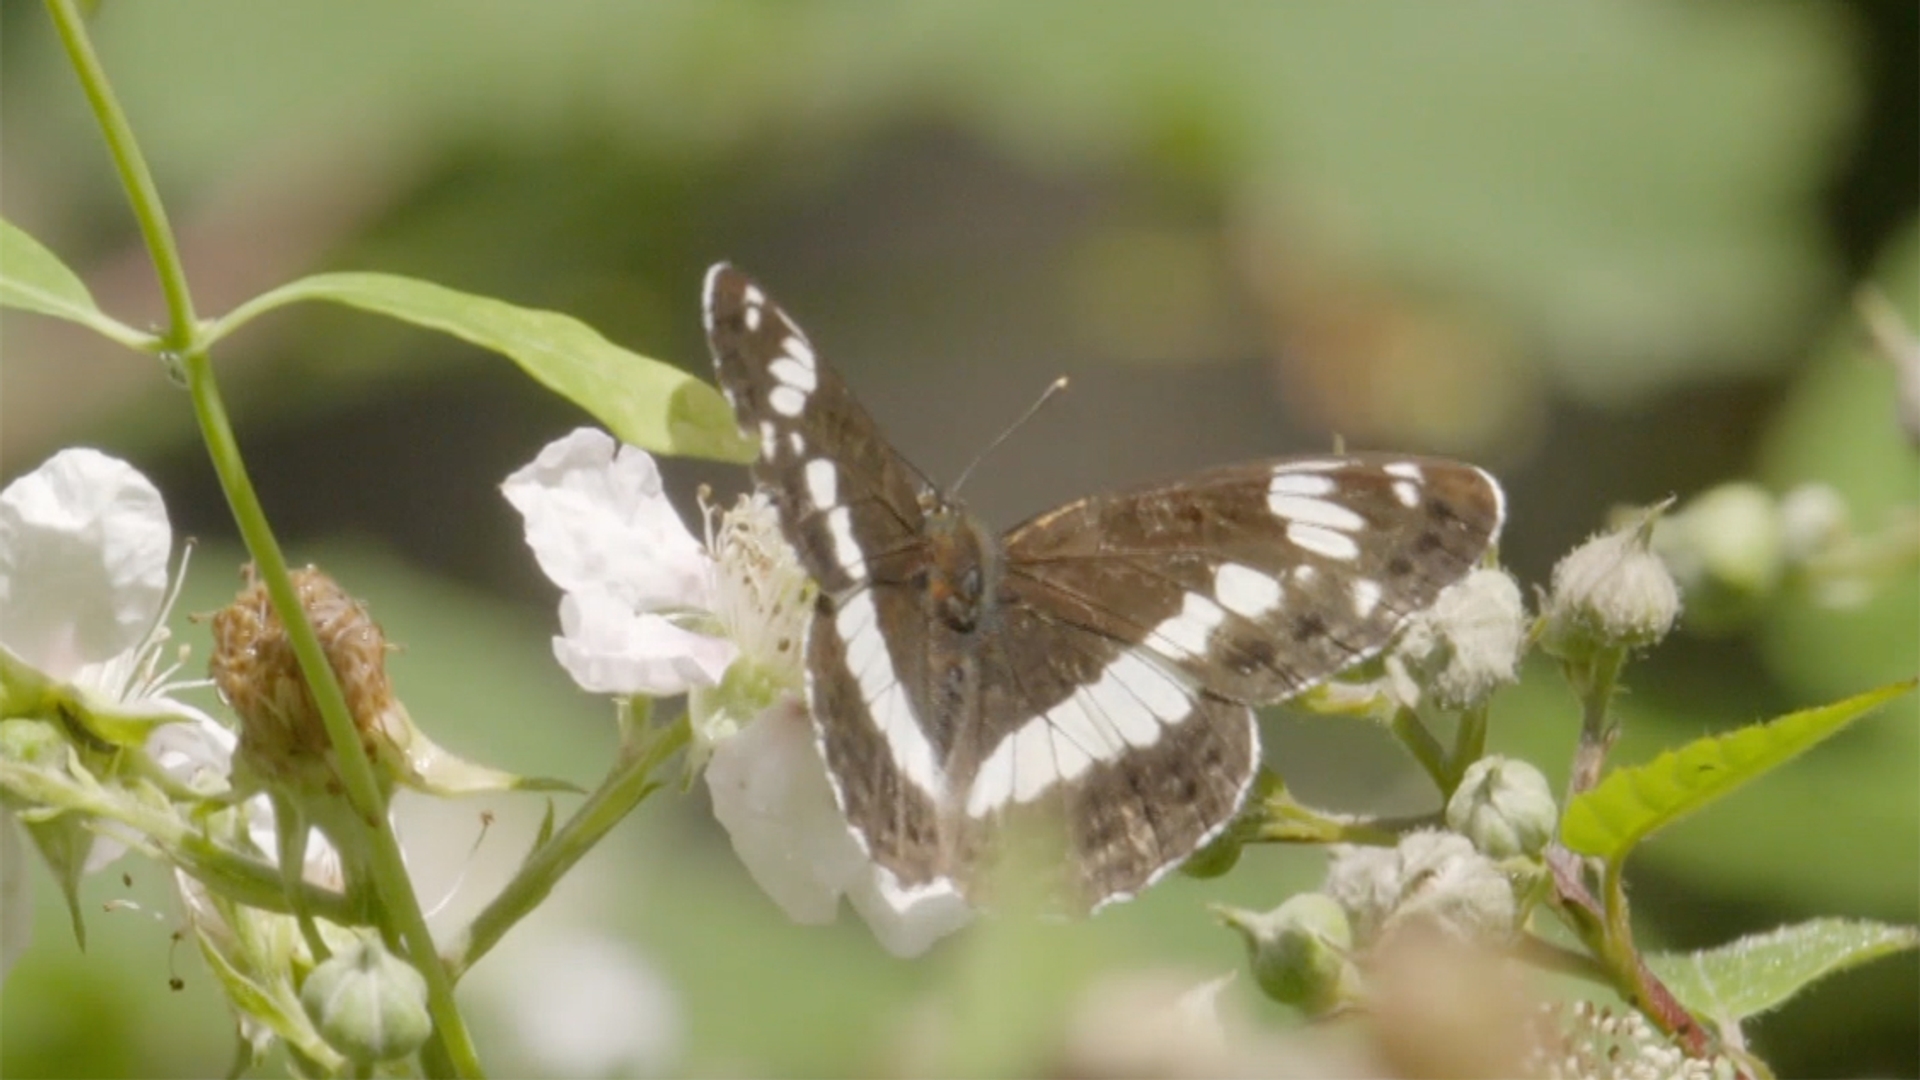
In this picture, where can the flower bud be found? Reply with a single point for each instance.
(1467, 644)
(1726, 550)
(1432, 877)
(1219, 856)
(367, 1003)
(1504, 806)
(1813, 518)
(1610, 592)
(1299, 951)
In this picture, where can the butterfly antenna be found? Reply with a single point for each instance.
(1046, 395)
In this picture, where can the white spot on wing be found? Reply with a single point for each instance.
(768, 441)
(1070, 759)
(993, 784)
(1366, 596)
(752, 316)
(867, 659)
(1146, 684)
(823, 483)
(1305, 511)
(1245, 591)
(1333, 545)
(1406, 470)
(797, 347)
(753, 297)
(846, 550)
(794, 374)
(1407, 492)
(1188, 631)
(1288, 482)
(796, 443)
(786, 400)
(1033, 761)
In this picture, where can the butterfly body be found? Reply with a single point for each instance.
(1089, 675)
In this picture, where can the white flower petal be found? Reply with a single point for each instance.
(770, 793)
(610, 649)
(16, 894)
(905, 921)
(84, 542)
(598, 521)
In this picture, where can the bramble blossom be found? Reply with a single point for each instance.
(650, 610)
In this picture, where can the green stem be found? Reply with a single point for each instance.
(148, 211)
(629, 782)
(232, 873)
(1282, 819)
(400, 908)
(1469, 746)
(1420, 742)
(1594, 680)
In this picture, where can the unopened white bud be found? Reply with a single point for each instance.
(1610, 592)
(1432, 877)
(1467, 644)
(1504, 806)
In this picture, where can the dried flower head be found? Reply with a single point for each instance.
(254, 666)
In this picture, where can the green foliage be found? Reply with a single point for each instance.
(646, 403)
(1742, 979)
(1630, 803)
(34, 279)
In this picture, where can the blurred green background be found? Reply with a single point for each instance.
(1606, 250)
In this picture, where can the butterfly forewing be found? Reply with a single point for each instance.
(1259, 581)
(847, 502)
(1097, 689)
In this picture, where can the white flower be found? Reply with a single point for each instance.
(674, 616)
(84, 595)
(633, 577)
(84, 599)
(771, 793)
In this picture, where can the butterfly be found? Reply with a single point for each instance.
(1095, 668)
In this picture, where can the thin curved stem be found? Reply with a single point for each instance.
(399, 910)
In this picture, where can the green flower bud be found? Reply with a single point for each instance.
(1504, 806)
(367, 1003)
(1813, 518)
(1299, 952)
(1727, 551)
(1610, 592)
(1218, 857)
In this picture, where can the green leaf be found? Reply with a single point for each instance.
(1631, 803)
(645, 402)
(1754, 974)
(34, 279)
